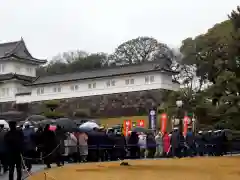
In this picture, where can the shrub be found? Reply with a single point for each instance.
(53, 114)
(82, 113)
(52, 104)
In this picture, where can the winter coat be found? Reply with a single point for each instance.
(166, 143)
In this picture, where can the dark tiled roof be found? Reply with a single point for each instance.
(107, 72)
(7, 48)
(17, 50)
(10, 76)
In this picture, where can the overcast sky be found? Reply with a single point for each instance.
(53, 26)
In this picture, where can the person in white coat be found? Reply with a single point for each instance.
(70, 146)
(159, 144)
(142, 144)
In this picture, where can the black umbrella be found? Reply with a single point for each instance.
(13, 115)
(47, 121)
(140, 129)
(67, 124)
(36, 118)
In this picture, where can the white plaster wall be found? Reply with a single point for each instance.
(13, 87)
(18, 68)
(101, 87)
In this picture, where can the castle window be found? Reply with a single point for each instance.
(91, 85)
(129, 81)
(40, 91)
(108, 83)
(111, 83)
(2, 67)
(149, 79)
(29, 70)
(74, 87)
(5, 92)
(57, 89)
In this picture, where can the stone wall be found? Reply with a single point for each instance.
(7, 106)
(111, 105)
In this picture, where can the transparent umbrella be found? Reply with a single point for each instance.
(88, 126)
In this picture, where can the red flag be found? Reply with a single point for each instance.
(185, 125)
(141, 123)
(127, 126)
(163, 121)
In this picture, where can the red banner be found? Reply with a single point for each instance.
(141, 123)
(185, 125)
(127, 126)
(163, 121)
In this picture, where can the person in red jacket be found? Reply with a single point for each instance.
(166, 144)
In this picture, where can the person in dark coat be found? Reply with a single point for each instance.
(151, 145)
(38, 141)
(110, 144)
(102, 144)
(190, 142)
(29, 145)
(3, 150)
(175, 142)
(92, 146)
(60, 136)
(209, 143)
(224, 143)
(200, 143)
(133, 147)
(49, 144)
(14, 141)
(119, 147)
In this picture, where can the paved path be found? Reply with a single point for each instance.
(34, 169)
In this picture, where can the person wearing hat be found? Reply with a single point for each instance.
(14, 141)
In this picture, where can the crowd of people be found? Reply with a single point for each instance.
(26, 146)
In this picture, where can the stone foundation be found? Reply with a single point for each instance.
(111, 105)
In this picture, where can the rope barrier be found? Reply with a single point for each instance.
(46, 176)
(41, 158)
(105, 147)
(25, 168)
